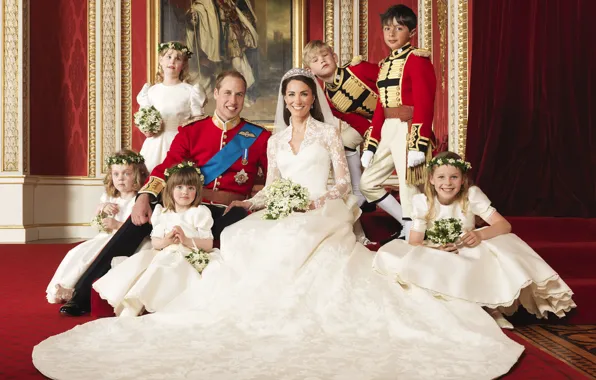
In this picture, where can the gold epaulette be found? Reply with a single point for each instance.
(256, 124)
(356, 60)
(194, 119)
(154, 186)
(421, 52)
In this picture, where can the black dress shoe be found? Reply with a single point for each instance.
(395, 235)
(368, 207)
(73, 309)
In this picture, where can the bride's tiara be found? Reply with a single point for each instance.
(297, 71)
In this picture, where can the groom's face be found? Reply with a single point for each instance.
(229, 98)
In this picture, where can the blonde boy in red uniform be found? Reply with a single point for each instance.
(352, 94)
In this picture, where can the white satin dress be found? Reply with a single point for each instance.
(294, 298)
(177, 105)
(500, 273)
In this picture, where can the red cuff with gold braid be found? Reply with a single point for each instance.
(416, 141)
(154, 186)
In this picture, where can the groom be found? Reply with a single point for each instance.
(229, 151)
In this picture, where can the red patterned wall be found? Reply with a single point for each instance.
(440, 31)
(139, 62)
(58, 88)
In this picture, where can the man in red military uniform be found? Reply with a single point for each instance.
(229, 151)
(352, 94)
(406, 78)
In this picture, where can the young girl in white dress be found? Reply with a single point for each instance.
(152, 278)
(489, 266)
(126, 174)
(178, 102)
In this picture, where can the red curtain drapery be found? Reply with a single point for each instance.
(531, 136)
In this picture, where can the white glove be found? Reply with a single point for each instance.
(366, 158)
(415, 158)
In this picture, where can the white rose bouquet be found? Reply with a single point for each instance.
(283, 197)
(148, 119)
(198, 258)
(97, 221)
(444, 231)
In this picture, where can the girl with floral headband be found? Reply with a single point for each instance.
(126, 174)
(177, 101)
(488, 266)
(149, 279)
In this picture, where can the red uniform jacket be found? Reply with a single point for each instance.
(200, 141)
(407, 78)
(353, 94)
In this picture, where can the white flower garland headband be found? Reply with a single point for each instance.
(125, 159)
(182, 165)
(464, 166)
(174, 46)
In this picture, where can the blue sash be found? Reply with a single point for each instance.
(231, 152)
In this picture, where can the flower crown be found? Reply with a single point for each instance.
(125, 159)
(298, 71)
(464, 166)
(182, 165)
(174, 46)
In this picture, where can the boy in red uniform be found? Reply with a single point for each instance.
(352, 94)
(406, 78)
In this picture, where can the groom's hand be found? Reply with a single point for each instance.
(141, 211)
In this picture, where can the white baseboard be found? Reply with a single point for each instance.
(38, 207)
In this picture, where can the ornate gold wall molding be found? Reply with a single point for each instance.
(25, 87)
(442, 15)
(462, 84)
(346, 31)
(329, 22)
(91, 78)
(108, 38)
(126, 75)
(458, 75)
(298, 30)
(11, 60)
(364, 29)
(425, 24)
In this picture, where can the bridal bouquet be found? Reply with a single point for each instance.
(97, 221)
(148, 119)
(198, 258)
(444, 231)
(283, 197)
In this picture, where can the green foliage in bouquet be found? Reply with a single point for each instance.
(148, 119)
(444, 231)
(97, 221)
(284, 197)
(199, 259)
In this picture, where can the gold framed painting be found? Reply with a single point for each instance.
(260, 38)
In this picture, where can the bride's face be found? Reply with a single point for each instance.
(299, 98)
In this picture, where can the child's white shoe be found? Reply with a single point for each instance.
(500, 319)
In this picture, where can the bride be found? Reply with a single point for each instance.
(294, 298)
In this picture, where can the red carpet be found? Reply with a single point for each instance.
(26, 318)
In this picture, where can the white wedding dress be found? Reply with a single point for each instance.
(294, 298)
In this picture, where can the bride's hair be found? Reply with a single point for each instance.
(316, 111)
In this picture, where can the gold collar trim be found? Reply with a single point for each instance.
(225, 125)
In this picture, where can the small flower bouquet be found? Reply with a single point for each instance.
(283, 197)
(97, 221)
(198, 258)
(148, 119)
(444, 231)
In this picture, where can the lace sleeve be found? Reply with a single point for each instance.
(258, 201)
(341, 173)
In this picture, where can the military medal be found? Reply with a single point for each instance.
(245, 157)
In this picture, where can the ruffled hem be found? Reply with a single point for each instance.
(538, 298)
(61, 294)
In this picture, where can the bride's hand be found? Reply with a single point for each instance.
(449, 248)
(244, 204)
